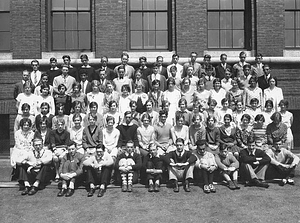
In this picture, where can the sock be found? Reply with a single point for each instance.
(36, 183)
(102, 186)
(130, 176)
(92, 186)
(27, 184)
(124, 180)
(71, 185)
(150, 181)
(64, 186)
(157, 182)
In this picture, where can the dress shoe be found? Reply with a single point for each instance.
(290, 181)
(187, 186)
(101, 192)
(176, 187)
(151, 188)
(231, 185)
(33, 191)
(91, 192)
(212, 188)
(156, 188)
(25, 191)
(124, 188)
(237, 187)
(61, 193)
(129, 188)
(259, 183)
(206, 189)
(69, 193)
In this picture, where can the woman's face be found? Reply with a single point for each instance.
(155, 87)
(171, 86)
(110, 123)
(25, 127)
(25, 111)
(227, 121)
(45, 91)
(44, 79)
(95, 88)
(77, 122)
(239, 106)
(62, 91)
(27, 90)
(186, 84)
(201, 86)
(252, 83)
(179, 122)
(282, 107)
(93, 109)
(146, 121)
(272, 82)
(43, 125)
(245, 121)
(133, 108)
(149, 106)
(60, 111)
(217, 85)
(182, 106)
(44, 109)
(76, 89)
(113, 107)
(269, 107)
(225, 105)
(211, 122)
(77, 109)
(197, 120)
(234, 84)
(92, 121)
(109, 87)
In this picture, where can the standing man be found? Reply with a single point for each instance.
(196, 66)
(175, 59)
(54, 71)
(65, 79)
(221, 68)
(263, 81)
(72, 70)
(257, 68)
(35, 75)
(129, 70)
(146, 71)
(109, 73)
(161, 69)
(238, 67)
(19, 87)
(253, 164)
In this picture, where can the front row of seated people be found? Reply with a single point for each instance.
(97, 164)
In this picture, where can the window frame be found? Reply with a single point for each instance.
(295, 29)
(247, 26)
(169, 27)
(77, 30)
(9, 31)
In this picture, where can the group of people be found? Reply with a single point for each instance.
(160, 124)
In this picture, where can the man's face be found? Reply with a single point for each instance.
(190, 71)
(65, 70)
(142, 63)
(277, 145)
(155, 70)
(129, 147)
(53, 64)
(25, 75)
(72, 150)
(128, 119)
(163, 118)
(121, 73)
(124, 60)
(206, 60)
(60, 126)
(35, 66)
(102, 75)
(160, 61)
(258, 59)
(38, 145)
(83, 77)
(246, 71)
(153, 150)
(193, 57)
(243, 58)
(223, 59)
(201, 149)
(104, 61)
(267, 70)
(67, 61)
(179, 146)
(175, 59)
(224, 152)
(251, 146)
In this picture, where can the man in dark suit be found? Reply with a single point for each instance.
(221, 68)
(161, 70)
(86, 86)
(54, 71)
(253, 164)
(156, 76)
(19, 87)
(109, 73)
(146, 71)
(196, 66)
(263, 81)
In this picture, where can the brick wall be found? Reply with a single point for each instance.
(270, 28)
(191, 27)
(25, 28)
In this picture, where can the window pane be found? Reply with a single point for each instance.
(238, 4)
(238, 39)
(149, 39)
(226, 38)
(71, 21)
(161, 21)
(72, 40)
(71, 4)
(5, 41)
(162, 40)
(289, 4)
(289, 20)
(161, 4)
(297, 20)
(5, 22)
(298, 4)
(58, 21)
(5, 5)
(136, 4)
(84, 40)
(238, 20)
(148, 4)
(213, 39)
(57, 5)
(213, 20)
(297, 38)
(84, 22)
(149, 21)
(213, 4)
(289, 38)
(136, 40)
(225, 4)
(136, 21)
(83, 4)
(59, 40)
(225, 20)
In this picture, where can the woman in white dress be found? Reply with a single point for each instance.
(287, 118)
(273, 93)
(217, 93)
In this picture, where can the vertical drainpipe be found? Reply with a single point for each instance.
(255, 26)
(175, 25)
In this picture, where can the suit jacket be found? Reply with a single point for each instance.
(109, 74)
(19, 88)
(88, 88)
(197, 69)
(102, 86)
(220, 71)
(163, 82)
(187, 156)
(257, 71)
(246, 158)
(146, 72)
(144, 83)
(263, 82)
(163, 72)
(92, 139)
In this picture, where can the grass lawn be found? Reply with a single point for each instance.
(249, 204)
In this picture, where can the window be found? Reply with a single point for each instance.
(228, 24)
(71, 24)
(149, 24)
(292, 23)
(5, 25)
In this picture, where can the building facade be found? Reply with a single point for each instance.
(40, 29)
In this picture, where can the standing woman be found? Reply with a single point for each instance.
(217, 93)
(110, 137)
(273, 93)
(76, 132)
(253, 91)
(287, 119)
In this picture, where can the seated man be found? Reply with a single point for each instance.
(69, 170)
(98, 170)
(206, 163)
(128, 163)
(283, 163)
(153, 165)
(228, 166)
(253, 164)
(34, 166)
(181, 166)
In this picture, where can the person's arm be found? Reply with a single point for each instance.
(85, 144)
(234, 162)
(139, 136)
(219, 163)
(47, 157)
(273, 161)
(265, 159)
(80, 165)
(173, 134)
(246, 158)
(295, 158)
(138, 162)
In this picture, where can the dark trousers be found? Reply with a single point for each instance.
(31, 177)
(205, 176)
(96, 176)
(158, 166)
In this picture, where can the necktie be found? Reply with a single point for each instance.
(35, 78)
(82, 87)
